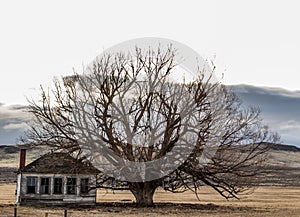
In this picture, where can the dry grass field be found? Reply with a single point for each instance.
(264, 202)
(268, 201)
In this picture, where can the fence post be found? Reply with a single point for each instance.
(66, 213)
(15, 212)
(46, 214)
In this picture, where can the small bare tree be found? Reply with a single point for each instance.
(143, 129)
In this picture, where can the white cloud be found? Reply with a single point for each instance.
(289, 125)
(13, 121)
(13, 112)
(16, 126)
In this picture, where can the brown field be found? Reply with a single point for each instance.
(265, 201)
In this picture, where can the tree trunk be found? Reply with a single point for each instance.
(143, 193)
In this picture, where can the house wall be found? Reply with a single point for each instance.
(24, 198)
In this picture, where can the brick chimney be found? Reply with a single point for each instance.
(22, 158)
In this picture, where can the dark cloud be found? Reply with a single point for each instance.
(280, 109)
(13, 123)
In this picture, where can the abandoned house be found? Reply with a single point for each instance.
(55, 178)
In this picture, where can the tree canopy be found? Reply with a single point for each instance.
(144, 125)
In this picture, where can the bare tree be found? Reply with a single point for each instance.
(143, 129)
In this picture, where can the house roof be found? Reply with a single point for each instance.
(59, 163)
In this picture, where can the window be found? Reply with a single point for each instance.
(45, 186)
(84, 186)
(58, 186)
(71, 185)
(31, 185)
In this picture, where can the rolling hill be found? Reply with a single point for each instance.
(283, 164)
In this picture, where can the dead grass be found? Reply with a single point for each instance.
(265, 201)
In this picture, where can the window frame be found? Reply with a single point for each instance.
(61, 186)
(45, 186)
(84, 185)
(70, 186)
(35, 178)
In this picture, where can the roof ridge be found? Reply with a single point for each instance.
(59, 162)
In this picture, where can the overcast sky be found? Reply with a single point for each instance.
(256, 42)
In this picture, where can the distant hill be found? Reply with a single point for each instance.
(283, 166)
(282, 147)
(9, 149)
(13, 149)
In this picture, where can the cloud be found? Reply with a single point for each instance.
(14, 126)
(271, 91)
(13, 112)
(13, 121)
(289, 125)
(280, 109)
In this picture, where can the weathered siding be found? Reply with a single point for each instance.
(51, 198)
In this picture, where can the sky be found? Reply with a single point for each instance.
(254, 42)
